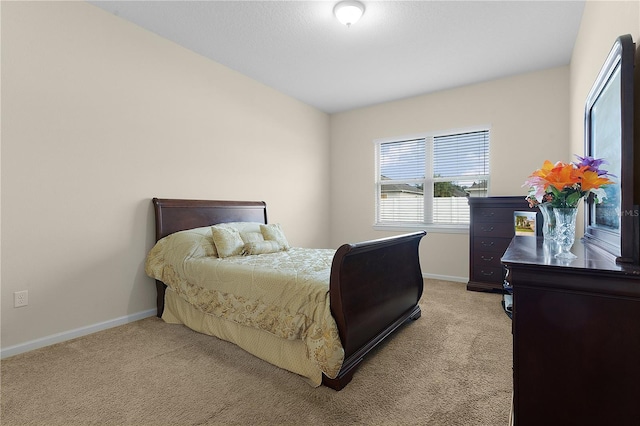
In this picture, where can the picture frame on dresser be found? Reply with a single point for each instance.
(524, 223)
(610, 111)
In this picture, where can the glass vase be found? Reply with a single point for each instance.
(548, 221)
(565, 230)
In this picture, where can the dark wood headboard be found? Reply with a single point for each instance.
(174, 215)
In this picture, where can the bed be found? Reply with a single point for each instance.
(370, 289)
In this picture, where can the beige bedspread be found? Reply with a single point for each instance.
(285, 294)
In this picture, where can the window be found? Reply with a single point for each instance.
(425, 180)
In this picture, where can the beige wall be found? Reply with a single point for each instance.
(98, 116)
(529, 120)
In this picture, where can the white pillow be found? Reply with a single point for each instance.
(262, 247)
(196, 242)
(175, 248)
(227, 240)
(273, 232)
(251, 237)
(249, 231)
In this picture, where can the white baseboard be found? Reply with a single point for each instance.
(446, 278)
(72, 334)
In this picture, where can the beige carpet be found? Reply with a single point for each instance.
(450, 367)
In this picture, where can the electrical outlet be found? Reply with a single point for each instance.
(20, 298)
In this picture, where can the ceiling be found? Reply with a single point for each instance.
(397, 50)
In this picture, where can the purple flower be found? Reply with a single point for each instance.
(593, 164)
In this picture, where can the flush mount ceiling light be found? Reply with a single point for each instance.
(348, 12)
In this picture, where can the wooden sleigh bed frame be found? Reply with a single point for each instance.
(374, 286)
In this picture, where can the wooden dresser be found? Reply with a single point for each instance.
(576, 336)
(491, 229)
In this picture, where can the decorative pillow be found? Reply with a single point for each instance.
(262, 247)
(273, 232)
(227, 240)
(251, 237)
(249, 231)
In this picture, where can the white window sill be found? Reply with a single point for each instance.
(431, 228)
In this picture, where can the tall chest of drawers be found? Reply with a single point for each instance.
(491, 229)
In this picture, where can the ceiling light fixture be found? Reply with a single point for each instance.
(348, 12)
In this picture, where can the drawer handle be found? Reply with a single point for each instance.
(486, 274)
(487, 229)
(487, 214)
(486, 259)
(486, 244)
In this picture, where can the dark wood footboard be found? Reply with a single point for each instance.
(375, 288)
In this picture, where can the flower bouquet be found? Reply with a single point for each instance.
(565, 184)
(558, 188)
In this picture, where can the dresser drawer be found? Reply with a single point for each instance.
(490, 214)
(487, 258)
(489, 274)
(489, 229)
(491, 245)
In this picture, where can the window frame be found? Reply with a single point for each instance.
(427, 182)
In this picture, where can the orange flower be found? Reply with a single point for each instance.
(564, 176)
(591, 180)
(543, 172)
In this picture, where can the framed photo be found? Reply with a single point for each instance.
(612, 224)
(525, 223)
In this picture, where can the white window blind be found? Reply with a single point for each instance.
(427, 180)
(402, 172)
